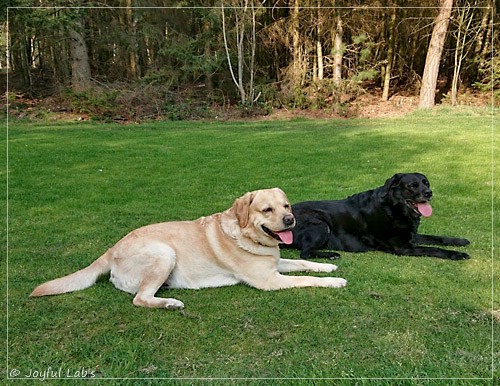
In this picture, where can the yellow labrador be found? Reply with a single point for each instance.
(239, 245)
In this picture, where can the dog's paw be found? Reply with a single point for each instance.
(331, 255)
(336, 282)
(325, 267)
(459, 256)
(334, 256)
(173, 304)
(463, 242)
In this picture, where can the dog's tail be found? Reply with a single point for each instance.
(79, 280)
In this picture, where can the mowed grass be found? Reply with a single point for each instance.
(77, 188)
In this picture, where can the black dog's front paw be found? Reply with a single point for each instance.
(333, 255)
(459, 256)
(328, 255)
(320, 255)
(455, 241)
(463, 242)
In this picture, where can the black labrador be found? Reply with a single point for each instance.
(382, 219)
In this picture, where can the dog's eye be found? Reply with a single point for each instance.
(413, 185)
(287, 206)
(267, 210)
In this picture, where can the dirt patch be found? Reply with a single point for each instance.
(372, 106)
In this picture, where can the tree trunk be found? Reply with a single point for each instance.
(319, 48)
(209, 84)
(251, 89)
(482, 29)
(241, 20)
(80, 67)
(338, 52)
(465, 18)
(489, 30)
(296, 56)
(132, 67)
(390, 56)
(433, 58)
(25, 63)
(240, 34)
(237, 81)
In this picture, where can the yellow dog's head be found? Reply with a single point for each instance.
(265, 216)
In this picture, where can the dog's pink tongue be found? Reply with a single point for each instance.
(424, 208)
(286, 236)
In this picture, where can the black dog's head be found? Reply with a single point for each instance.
(411, 190)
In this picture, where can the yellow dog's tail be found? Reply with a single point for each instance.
(79, 280)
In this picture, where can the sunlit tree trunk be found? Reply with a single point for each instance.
(240, 33)
(338, 51)
(434, 52)
(465, 17)
(296, 49)
(244, 17)
(390, 56)
(319, 47)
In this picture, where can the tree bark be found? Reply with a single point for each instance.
(390, 56)
(80, 67)
(132, 68)
(489, 30)
(237, 81)
(465, 18)
(319, 48)
(482, 29)
(434, 52)
(296, 54)
(243, 16)
(338, 52)
(209, 84)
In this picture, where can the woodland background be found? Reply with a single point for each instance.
(134, 60)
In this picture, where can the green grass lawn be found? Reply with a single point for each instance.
(77, 188)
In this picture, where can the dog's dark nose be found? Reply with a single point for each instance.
(428, 194)
(288, 220)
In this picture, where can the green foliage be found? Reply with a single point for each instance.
(489, 75)
(359, 39)
(362, 76)
(75, 189)
(45, 22)
(100, 105)
(187, 110)
(364, 65)
(164, 77)
(188, 64)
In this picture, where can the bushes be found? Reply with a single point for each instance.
(142, 102)
(96, 104)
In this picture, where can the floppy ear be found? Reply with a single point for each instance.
(241, 206)
(390, 183)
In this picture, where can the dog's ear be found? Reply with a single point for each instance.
(241, 208)
(394, 180)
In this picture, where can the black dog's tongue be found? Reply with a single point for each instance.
(424, 208)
